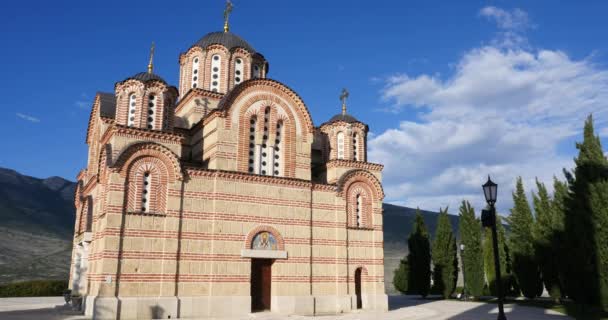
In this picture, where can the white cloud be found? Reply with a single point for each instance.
(27, 117)
(515, 19)
(502, 112)
(604, 132)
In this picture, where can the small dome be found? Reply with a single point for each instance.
(145, 76)
(343, 117)
(227, 39)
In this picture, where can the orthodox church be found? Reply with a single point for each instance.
(220, 197)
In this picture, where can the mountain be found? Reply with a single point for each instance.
(37, 222)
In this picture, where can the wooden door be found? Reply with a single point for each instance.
(358, 288)
(261, 280)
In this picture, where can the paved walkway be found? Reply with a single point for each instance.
(401, 308)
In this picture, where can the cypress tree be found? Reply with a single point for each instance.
(400, 280)
(419, 258)
(472, 256)
(559, 207)
(521, 244)
(488, 257)
(445, 256)
(547, 242)
(585, 223)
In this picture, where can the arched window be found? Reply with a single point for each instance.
(257, 71)
(359, 210)
(195, 72)
(340, 145)
(265, 159)
(278, 149)
(356, 152)
(216, 69)
(359, 206)
(252, 147)
(145, 192)
(132, 108)
(151, 111)
(238, 71)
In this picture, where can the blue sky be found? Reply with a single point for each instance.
(452, 90)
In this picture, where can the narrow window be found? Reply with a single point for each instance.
(216, 66)
(145, 196)
(358, 211)
(238, 71)
(252, 148)
(264, 167)
(257, 71)
(151, 111)
(195, 71)
(278, 160)
(132, 104)
(355, 147)
(340, 145)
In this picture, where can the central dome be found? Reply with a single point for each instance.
(227, 39)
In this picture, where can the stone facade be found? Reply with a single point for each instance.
(185, 189)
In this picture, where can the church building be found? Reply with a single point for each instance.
(221, 197)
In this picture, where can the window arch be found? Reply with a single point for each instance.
(238, 70)
(265, 151)
(132, 109)
(359, 206)
(278, 159)
(252, 147)
(340, 143)
(257, 71)
(147, 186)
(151, 114)
(356, 152)
(216, 72)
(195, 72)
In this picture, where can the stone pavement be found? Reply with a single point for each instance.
(401, 308)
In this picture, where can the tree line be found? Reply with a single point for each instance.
(558, 243)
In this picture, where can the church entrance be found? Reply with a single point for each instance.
(358, 288)
(261, 280)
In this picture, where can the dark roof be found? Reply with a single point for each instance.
(227, 39)
(107, 105)
(343, 117)
(145, 76)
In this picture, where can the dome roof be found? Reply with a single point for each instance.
(227, 39)
(145, 76)
(343, 117)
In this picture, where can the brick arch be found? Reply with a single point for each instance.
(267, 89)
(257, 106)
(158, 184)
(362, 190)
(149, 149)
(359, 175)
(258, 229)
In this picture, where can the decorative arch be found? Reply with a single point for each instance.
(359, 175)
(254, 90)
(153, 150)
(147, 184)
(359, 206)
(259, 229)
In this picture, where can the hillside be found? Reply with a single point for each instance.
(37, 221)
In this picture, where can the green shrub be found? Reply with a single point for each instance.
(34, 288)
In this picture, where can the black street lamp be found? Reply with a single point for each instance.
(488, 219)
(464, 279)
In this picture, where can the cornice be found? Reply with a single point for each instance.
(355, 164)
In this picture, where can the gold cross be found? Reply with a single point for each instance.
(343, 97)
(151, 63)
(227, 12)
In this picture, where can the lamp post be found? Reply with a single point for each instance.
(488, 219)
(464, 279)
